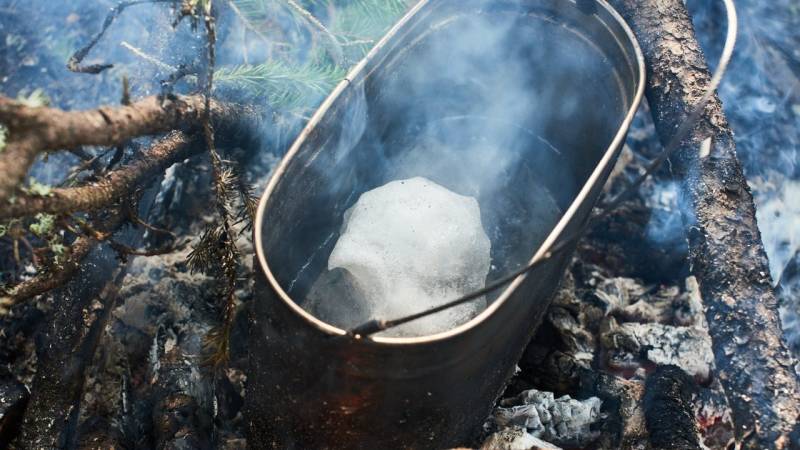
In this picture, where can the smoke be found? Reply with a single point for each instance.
(475, 109)
(496, 101)
(665, 226)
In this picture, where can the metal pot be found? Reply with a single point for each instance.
(309, 385)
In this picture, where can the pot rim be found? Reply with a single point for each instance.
(545, 247)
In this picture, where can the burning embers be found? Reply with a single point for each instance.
(406, 246)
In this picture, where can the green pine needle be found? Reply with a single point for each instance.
(283, 85)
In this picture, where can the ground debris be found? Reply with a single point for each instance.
(516, 438)
(629, 346)
(563, 421)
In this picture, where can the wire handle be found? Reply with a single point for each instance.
(377, 325)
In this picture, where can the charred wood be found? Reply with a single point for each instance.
(13, 400)
(668, 410)
(725, 249)
(64, 350)
(98, 434)
(625, 426)
(181, 417)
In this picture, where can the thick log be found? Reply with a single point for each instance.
(725, 250)
(668, 410)
(64, 351)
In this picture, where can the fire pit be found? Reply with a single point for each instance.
(561, 82)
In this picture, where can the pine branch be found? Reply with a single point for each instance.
(284, 85)
(114, 186)
(365, 19)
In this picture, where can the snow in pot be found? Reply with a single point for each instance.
(405, 247)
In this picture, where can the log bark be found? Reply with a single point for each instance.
(668, 410)
(725, 250)
(32, 131)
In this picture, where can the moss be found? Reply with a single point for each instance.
(43, 225)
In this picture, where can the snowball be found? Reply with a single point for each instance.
(410, 245)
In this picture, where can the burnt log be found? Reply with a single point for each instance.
(725, 250)
(625, 426)
(668, 410)
(64, 349)
(13, 399)
(181, 417)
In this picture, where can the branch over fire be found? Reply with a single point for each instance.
(32, 131)
(116, 184)
(726, 252)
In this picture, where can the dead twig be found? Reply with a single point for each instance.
(74, 63)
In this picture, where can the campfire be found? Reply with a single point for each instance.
(398, 224)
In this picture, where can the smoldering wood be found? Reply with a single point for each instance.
(668, 410)
(725, 248)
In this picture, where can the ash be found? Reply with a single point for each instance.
(563, 421)
(516, 438)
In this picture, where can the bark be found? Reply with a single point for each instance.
(114, 185)
(668, 410)
(725, 249)
(32, 131)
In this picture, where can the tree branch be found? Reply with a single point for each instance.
(48, 281)
(116, 184)
(725, 248)
(35, 130)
